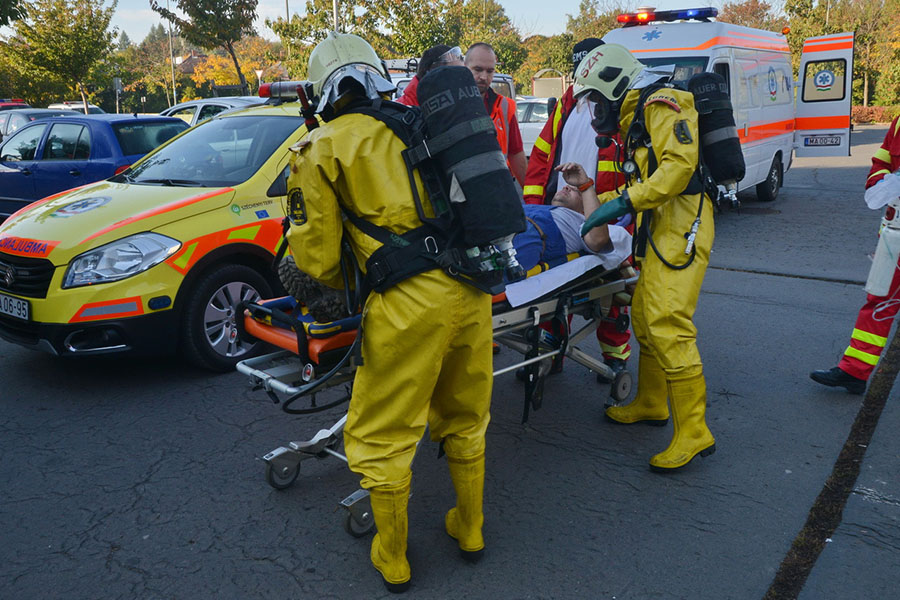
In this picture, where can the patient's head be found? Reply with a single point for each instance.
(569, 197)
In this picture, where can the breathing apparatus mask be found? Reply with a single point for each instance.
(606, 73)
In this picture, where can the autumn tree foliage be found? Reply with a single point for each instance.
(214, 24)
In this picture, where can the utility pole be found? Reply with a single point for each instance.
(172, 60)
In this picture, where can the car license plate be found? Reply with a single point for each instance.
(14, 307)
(822, 140)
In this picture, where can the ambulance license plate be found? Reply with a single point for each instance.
(822, 140)
(14, 307)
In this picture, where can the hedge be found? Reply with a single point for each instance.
(874, 114)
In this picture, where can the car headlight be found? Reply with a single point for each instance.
(120, 259)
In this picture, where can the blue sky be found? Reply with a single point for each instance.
(546, 17)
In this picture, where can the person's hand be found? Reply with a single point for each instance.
(573, 174)
(607, 212)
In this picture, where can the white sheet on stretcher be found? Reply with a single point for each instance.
(522, 292)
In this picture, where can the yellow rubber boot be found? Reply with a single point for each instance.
(691, 436)
(649, 404)
(464, 521)
(389, 545)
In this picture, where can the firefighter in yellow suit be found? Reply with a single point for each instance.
(666, 294)
(426, 345)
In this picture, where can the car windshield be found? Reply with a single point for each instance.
(136, 137)
(685, 66)
(216, 153)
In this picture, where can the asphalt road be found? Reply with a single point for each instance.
(125, 478)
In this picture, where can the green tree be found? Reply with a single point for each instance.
(594, 18)
(124, 41)
(214, 24)
(11, 10)
(553, 52)
(752, 13)
(64, 40)
(299, 35)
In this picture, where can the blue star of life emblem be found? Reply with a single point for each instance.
(652, 35)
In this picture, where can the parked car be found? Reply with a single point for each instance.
(13, 120)
(156, 258)
(195, 111)
(77, 105)
(532, 114)
(11, 103)
(48, 156)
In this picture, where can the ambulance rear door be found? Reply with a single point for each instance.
(822, 114)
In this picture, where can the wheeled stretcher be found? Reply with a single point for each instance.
(318, 356)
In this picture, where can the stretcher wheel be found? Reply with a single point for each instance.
(357, 528)
(621, 387)
(282, 480)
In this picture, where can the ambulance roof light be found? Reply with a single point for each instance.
(644, 16)
(285, 90)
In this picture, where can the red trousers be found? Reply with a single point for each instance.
(613, 344)
(869, 337)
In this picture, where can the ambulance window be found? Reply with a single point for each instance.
(722, 69)
(746, 83)
(823, 80)
(685, 66)
(775, 83)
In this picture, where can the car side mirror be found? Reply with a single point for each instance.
(551, 105)
(279, 186)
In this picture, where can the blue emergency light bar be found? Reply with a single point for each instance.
(681, 14)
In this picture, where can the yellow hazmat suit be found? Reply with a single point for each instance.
(426, 346)
(665, 298)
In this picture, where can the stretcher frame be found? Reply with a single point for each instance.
(282, 373)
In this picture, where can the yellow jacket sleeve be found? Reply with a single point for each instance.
(676, 157)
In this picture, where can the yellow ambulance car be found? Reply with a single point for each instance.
(156, 258)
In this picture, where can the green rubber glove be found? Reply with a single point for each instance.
(607, 212)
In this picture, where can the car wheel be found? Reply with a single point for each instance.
(767, 191)
(210, 332)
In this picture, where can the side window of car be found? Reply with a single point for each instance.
(185, 114)
(23, 145)
(538, 113)
(66, 143)
(16, 122)
(209, 111)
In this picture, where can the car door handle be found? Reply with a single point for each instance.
(74, 172)
(25, 171)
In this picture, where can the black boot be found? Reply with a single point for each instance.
(835, 377)
(616, 364)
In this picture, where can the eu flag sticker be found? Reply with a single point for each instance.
(262, 214)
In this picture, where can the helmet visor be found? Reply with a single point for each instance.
(454, 54)
(372, 81)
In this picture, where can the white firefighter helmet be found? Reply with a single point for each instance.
(609, 69)
(344, 55)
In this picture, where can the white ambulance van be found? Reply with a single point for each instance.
(773, 120)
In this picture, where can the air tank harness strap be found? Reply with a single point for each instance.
(434, 146)
(402, 256)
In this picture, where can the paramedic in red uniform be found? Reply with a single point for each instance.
(873, 324)
(568, 137)
(481, 61)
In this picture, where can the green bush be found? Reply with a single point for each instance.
(874, 114)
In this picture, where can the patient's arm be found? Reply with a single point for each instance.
(597, 239)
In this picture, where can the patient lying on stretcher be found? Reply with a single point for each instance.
(554, 231)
